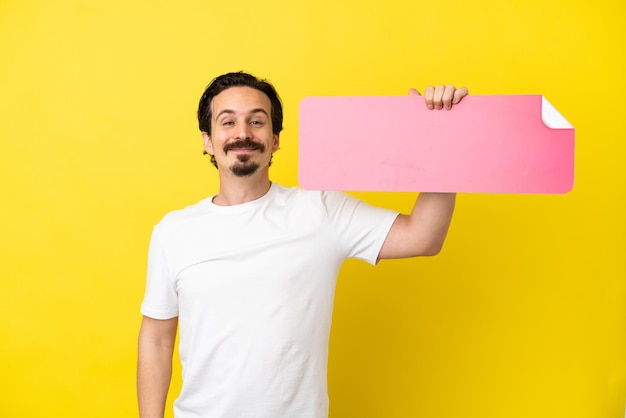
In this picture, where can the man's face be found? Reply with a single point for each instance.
(241, 138)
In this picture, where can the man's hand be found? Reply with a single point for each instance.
(441, 97)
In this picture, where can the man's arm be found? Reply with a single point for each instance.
(154, 365)
(424, 230)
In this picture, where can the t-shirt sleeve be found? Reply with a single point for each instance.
(360, 229)
(160, 299)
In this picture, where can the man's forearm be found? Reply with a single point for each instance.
(154, 365)
(154, 372)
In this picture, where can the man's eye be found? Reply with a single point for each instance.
(227, 122)
(256, 123)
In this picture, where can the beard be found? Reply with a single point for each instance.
(243, 167)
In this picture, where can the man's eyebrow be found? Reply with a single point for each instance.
(259, 110)
(227, 111)
(232, 112)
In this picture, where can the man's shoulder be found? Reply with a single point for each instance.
(185, 214)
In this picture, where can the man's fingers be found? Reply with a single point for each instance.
(448, 95)
(443, 97)
(413, 92)
(429, 95)
(459, 94)
(438, 96)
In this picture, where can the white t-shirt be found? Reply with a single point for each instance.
(253, 287)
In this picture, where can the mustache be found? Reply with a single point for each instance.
(244, 143)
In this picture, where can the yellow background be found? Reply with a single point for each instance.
(522, 315)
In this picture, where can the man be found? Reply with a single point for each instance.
(250, 272)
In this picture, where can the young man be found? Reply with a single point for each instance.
(249, 274)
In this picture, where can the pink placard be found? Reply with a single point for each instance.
(485, 144)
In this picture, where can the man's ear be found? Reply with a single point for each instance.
(208, 144)
(276, 143)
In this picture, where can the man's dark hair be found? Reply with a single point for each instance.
(239, 79)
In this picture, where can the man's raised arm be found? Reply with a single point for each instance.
(423, 232)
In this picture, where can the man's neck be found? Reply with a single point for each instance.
(237, 190)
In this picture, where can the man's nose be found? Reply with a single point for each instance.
(243, 131)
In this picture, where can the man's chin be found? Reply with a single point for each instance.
(244, 170)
